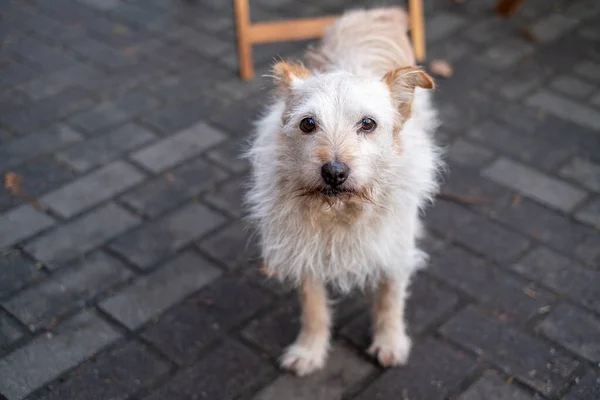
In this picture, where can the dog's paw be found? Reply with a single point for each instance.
(303, 360)
(391, 350)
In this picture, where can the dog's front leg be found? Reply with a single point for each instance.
(391, 345)
(309, 351)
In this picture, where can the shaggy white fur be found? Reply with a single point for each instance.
(366, 234)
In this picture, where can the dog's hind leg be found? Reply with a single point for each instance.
(309, 351)
(391, 344)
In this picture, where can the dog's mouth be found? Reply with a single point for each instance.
(329, 194)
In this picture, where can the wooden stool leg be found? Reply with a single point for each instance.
(417, 28)
(506, 8)
(242, 19)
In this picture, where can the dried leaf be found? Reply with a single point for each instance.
(516, 200)
(463, 199)
(129, 51)
(528, 35)
(441, 68)
(120, 30)
(12, 183)
(530, 292)
(264, 271)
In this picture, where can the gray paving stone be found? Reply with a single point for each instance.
(16, 271)
(103, 149)
(575, 330)
(526, 216)
(532, 183)
(81, 235)
(563, 275)
(516, 299)
(106, 115)
(228, 197)
(492, 386)
(428, 302)
(552, 27)
(434, 370)
(28, 147)
(114, 375)
(180, 115)
(69, 288)
(209, 46)
(476, 232)
(596, 100)
(343, 371)
(486, 30)
(514, 83)
(225, 374)
(40, 55)
(174, 187)
(541, 154)
(92, 189)
(565, 108)
(191, 326)
(544, 369)
(506, 53)
(55, 82)
(156, 240)
(47, 356)
(173, 59)
(10, 331)
(14, 74)
(589, 70)
(178, 148)
(182, 88)
(21, 223)
(275, 330)
(572, 86)
(102, 54)
(37, 177)
(584, 172)
(124, 80)
(234, 236)
(49, 109)
(103, 5)
(590, 214)
(469, 154)
(138, 303)
(443, 25)
(586, 388)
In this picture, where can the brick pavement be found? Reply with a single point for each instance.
(136, 280)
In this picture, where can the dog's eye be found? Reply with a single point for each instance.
(308, 125)
(367, 125)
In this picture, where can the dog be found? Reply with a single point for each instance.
(343, 162)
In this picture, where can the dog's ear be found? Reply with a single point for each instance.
(404, 80)
(285, 74)
(402, 83)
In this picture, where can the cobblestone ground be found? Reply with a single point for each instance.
(131, 277)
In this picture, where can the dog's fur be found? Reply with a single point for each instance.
(366, 235)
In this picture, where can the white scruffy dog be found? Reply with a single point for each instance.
(343, 161)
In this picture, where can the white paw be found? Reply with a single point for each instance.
(302, 360)
(391, 350)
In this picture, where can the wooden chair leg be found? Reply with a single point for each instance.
(506, 8)
(242, 17)
(417, 28)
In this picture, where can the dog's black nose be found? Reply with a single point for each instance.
(335, 173)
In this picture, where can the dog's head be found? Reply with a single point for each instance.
(340, 131)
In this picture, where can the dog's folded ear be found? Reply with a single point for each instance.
(407, 78)
(402, 83)
(286, 74)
